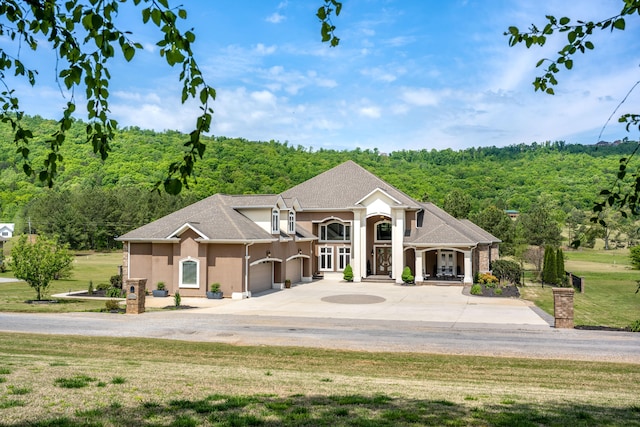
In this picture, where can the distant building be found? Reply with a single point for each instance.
(6, 231)
(511, 213)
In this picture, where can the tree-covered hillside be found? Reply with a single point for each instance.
(515, 177)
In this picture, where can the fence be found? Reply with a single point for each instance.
(576, 281)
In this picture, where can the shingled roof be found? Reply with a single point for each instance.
(214, 218)
(342, 187)
(441, 229)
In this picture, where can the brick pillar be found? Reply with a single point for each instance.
(125, 261)
(136, 291)
(563, 307)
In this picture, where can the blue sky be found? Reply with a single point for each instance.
(407, 75)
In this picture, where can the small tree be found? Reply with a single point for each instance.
(407, 277)
(560, 273)
(506, 270)
(40, 262)
(348, 273)
(549, 268)
(634, 255)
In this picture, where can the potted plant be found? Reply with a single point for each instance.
(407, 277)
(287, 283)
(160, 290)
(214, 291)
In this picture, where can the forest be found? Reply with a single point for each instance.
(94, 201)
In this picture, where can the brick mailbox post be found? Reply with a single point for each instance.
(136, 291)
(563, 307)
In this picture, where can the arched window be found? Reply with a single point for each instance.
(292, 222)
(335, 232)
(189, 273)
(275, 221)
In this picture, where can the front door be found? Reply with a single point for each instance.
(383, 260)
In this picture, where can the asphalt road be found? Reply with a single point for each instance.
(350, 334)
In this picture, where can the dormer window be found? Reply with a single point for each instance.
(292, 222)
(275, 221)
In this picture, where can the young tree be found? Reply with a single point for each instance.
(40, 262)
(560, 271)
(538, 226)
(549, 267)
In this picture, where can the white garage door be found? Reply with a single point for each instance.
(260, 277)
(294, 270)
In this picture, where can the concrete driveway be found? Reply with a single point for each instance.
(333, 298)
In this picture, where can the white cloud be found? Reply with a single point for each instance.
(420, 97)
(370, 112)
(275, 18)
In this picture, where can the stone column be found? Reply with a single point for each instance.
(356, 247)
(136, 291)
(563, 307)
(397, 239)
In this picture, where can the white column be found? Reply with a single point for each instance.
(397, 238)
(419, 268)
(468, 273)
(356, 247)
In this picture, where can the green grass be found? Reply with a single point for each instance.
(610, 284)
(220, 384)
(97, 267)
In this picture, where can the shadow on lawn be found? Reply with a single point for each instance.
(350, 410)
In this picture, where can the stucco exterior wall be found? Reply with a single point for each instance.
(225, 265)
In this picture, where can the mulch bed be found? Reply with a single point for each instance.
(507, 292)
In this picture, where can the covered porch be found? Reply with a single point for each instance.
(447, 265)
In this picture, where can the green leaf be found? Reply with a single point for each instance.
(619, 24)
(588, 45)
(569, 64)
(172, 186)
(564, 20)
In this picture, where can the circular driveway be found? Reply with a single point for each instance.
(333, 298)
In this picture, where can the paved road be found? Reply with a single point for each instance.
(370, 317)
(352, 334)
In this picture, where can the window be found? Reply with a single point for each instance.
(275, 221)
(326, 259)
(335, 232)
(189, 273)
(292, 222)
(383, 231)
(344, 257)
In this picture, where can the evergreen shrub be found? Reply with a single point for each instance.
(348, 273)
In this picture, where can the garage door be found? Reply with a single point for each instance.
(260, 277)
(294, 270)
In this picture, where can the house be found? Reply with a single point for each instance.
(346, 215)
(6, 231)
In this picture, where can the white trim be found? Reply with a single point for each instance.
(183, 228)
(339, 222)
(297, 256)
(378, 190)
(259, 261)
(343, 257)
(331, 218)
(375, 231)
(180, 273)
(291, 222)
(327, 253)
(275, 221)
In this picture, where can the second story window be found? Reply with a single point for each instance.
(275, 221)
(292, 222)
(335, 232)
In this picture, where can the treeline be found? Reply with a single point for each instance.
(99, 200)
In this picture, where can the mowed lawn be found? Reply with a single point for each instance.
(610, 285)
(95, 267)
(88, 381)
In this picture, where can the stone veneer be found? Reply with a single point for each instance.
(136, 292)
(563, 307)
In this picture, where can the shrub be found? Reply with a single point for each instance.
(498, 291)
(102, 286)
(635, 326)
(116, 281)
(348, 273)
(114, 293)
(508, 271)
(488, 279)
(476, 289)
(90, 288)
(112, 304)
(215, 287)
(160, 286)
(407, 277)
(177, 299)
